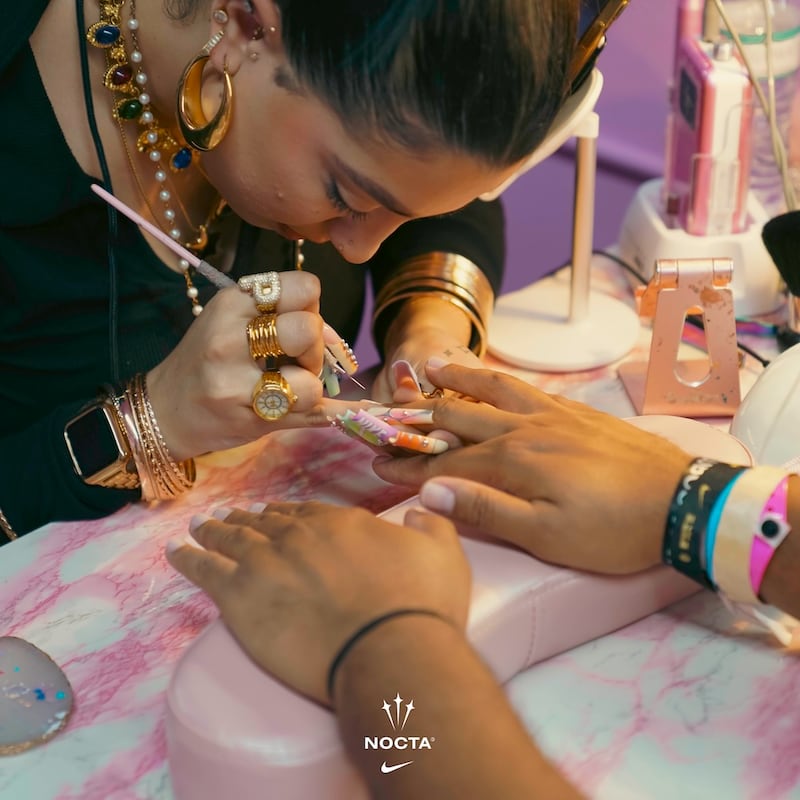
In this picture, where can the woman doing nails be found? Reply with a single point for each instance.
(241, 128)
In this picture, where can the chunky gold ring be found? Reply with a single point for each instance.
(433, 394)
(265, 288)
(273, 398)
(262, 336)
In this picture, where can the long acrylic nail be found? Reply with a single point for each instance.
(407, 416)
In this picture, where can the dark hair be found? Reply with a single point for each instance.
(485, 77)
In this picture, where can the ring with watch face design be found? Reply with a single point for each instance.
(273, 398)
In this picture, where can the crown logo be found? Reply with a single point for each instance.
(394, 712)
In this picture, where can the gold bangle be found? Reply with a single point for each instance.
(477, 342)
(162, 478)
(445, 275)
(5, 527)
(125, 408)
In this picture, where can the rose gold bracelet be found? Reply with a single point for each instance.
(165, 478)
(137, 451)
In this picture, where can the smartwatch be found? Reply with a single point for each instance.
(99, 448)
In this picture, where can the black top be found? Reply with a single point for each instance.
(60, 299)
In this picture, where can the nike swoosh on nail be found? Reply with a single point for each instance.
(387, 769)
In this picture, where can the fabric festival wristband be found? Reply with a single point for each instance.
(772, 529)
(684, 537)
(738, 524)
(711, 529)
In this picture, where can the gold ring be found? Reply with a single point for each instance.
(265, 288)
(262, 336)
(273, 398)
(433, 394)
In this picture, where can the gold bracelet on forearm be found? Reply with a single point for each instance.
(5, 527)
(162, 478)
(450, 277)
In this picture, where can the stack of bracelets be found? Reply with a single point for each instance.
(452, 278)
(159, 475)
(725, 524)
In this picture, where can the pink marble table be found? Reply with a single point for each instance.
(683, 704)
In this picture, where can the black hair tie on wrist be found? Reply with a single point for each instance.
(366, 628)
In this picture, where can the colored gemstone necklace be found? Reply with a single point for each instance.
(127, 80)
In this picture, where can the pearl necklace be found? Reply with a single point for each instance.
(126, 78)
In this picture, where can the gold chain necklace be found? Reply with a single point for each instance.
(127, 80)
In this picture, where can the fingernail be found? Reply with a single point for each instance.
(197, 520)
(405, 375)
(436, 362)
(221, 513)
(257, 508)
(437, 497)
(175, 544)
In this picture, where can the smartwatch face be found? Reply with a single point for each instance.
(91, 442)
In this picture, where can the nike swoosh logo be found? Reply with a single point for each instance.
(386, 769)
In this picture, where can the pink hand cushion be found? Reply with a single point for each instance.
(233, 731)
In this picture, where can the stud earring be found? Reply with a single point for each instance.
(199, 133)
(220, 16)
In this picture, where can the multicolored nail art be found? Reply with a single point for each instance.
(404, 416)
(377, 432)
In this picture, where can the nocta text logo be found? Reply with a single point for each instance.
(397, 714)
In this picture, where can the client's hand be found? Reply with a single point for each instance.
(202, 392)
(296, 580)
(569, 484)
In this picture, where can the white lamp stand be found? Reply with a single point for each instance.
(555, 325)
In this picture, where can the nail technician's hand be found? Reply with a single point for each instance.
(202, 392)
(405, 379)
(295, 581)
(569, 484)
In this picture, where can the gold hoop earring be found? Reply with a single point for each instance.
(200, 133)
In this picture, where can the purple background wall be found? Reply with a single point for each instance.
(636, 66)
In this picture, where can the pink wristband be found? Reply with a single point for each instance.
(772, 529)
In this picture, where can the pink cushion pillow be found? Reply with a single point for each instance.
(233, 731)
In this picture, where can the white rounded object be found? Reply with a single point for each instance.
(696, 438)
(768, 419)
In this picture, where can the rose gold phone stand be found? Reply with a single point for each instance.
(667, 384)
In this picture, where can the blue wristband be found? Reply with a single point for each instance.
(713, 524)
